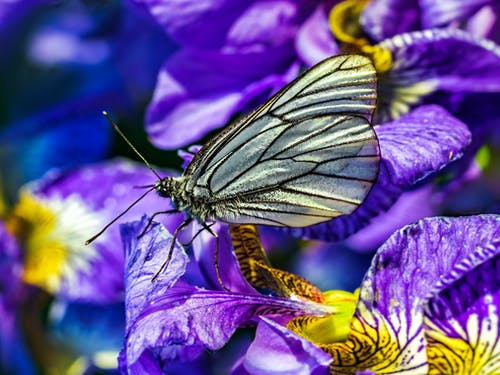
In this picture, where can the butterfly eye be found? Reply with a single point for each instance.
(163, 188)
(162, 192)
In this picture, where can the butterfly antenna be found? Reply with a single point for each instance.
(93, 238)
(118, 130)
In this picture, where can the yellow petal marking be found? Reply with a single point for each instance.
(52, 232)
(345, 25)
(474, 348)
(331, 328)
(384, 346)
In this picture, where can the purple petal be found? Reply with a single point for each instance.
(11, 294)
(144, 259)
(486, 23)
(265, 24)
(188, 155)
(198, 91)
(314, 40)
(412, 148)
(383, 19)
(439, 59)
(187, 320)
(201, 24)
(204, 253)
(209, 24)
(11, 269)
(411, 206)
(276, 350)
(415, 262)
(441, 139)
(166, 322)
(423, 256)
(53, 45)
(440, 13)
(100, 184)
(465, 309)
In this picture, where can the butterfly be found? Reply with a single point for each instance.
(307, 155)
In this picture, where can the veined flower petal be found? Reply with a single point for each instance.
(428, 304)
(461, 320)
(388, 334)
(166, 323)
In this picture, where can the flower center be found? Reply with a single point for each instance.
(52, 232)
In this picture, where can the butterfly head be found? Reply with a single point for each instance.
(164, 187)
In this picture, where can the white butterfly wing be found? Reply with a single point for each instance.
(307, 155)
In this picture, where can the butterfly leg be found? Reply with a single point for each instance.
(184, 224)
(216, 255)
(143, 232)
(190, 242)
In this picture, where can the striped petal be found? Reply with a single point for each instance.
(461, 319)
(388, 334)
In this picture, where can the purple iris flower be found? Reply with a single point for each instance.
(164, 318)
(418, 62)
(426, 125)
(230, 56)
(172, 319)
(444, 60)
(450, 60)
(57, 214)
(51, 221)
(428, 284)
(428, 304)
(412, 148)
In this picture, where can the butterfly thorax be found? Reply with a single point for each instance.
(181, 199)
